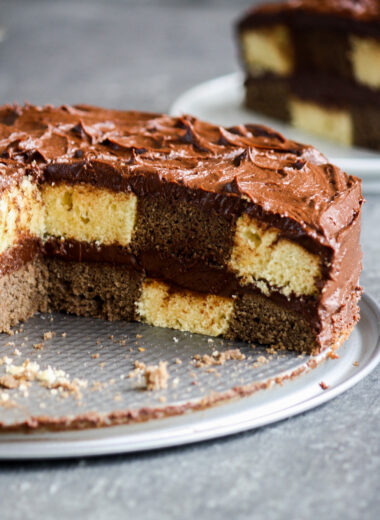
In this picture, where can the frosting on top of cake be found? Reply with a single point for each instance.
(248, 167)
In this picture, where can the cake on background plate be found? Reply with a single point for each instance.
(316, 64)
(177, 223)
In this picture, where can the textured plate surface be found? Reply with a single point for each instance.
(220, 101)
(118, 346)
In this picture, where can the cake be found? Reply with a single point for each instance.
(316, 64)
(234, 232)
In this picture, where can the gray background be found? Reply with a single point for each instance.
(323, 464)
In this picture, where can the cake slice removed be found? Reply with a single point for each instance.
(234, 232)
(315, 64)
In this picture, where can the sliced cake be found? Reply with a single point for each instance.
(175, 222)
(316, 64)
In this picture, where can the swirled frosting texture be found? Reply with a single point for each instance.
(245, 168)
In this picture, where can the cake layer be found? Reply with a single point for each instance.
(21, 213)
(94, 290)
(323, 37)
(87, 213)
(161, 306)
(23, 293)
(347, 117)
(268, 49)
(103, 290)
(262, 257)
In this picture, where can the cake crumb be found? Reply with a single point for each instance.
(5, 401)
(8, 381)
(141, 349)
(48, 335)
(323, 385)
(218, 358)
(138, 370)
(64, 334)
(97, 385)
(138, 336)
(260, 361)
(356, 363)
(156, 376)
(178, 361)
(95, 356)
(38, 346)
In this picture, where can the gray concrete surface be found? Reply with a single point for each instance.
(322, 464)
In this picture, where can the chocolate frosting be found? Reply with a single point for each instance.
(247, 168)
(361, 16)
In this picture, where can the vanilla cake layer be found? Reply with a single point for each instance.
(87, 213)
(161, 306)
(328, 122)
(21, 213)
(268, 49)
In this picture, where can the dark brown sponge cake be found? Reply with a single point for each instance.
(314, 63)
(178, 223)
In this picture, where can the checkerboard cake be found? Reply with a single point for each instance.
(234, 232)
(316, 64)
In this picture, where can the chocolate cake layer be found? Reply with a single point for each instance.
(87, 289)
(23, 293)
(314, 64)
(97, 290)
(185, 203)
